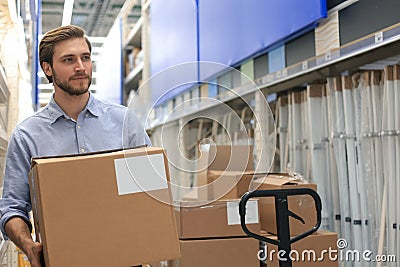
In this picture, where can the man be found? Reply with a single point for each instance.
(73, 122)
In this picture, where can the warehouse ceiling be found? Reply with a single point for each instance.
(96, 17)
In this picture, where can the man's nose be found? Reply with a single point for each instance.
(79, 66)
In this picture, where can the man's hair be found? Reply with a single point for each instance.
(51, 38)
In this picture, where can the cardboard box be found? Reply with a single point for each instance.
(227, 252)
(221, 158)
(104, 209)
(217, 219)
(229, 184)
(312, 251)
(228, 158)
(303, 206)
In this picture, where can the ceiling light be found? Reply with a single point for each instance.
(67, 12)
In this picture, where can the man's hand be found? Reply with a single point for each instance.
(17, 230)
(34, 254)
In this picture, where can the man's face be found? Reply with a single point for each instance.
(72, 67)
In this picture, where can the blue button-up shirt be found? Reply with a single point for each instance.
(50, 132)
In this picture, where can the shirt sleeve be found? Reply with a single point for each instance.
(134, 131)
(16, 201)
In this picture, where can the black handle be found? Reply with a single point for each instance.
(280, 194)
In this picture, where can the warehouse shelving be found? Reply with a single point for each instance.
(133, 78)
(171, 118)
(135, 35)
(15, 88)
(374, 47)
(371, 48)
(133, 39)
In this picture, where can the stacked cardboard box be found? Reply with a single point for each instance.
(90, 208)
(316, 250)
(230, 252)
(312, 251)
(218, 219)
(211, 235)
(227, 175)
(208, 222)
(302, 205)
(221, 169)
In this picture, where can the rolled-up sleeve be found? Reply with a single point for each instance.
(16, 195)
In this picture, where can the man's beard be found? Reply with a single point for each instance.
(66, 87)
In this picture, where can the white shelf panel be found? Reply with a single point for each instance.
(135, 35)
(133, 77)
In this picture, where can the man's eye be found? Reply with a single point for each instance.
(68, 59)
(86, 58)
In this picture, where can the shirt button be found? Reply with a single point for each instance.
(82, 150)
(79, 127)
(86, 115)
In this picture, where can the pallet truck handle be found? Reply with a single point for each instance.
(280, 194)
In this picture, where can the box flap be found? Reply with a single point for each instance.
(279, 181)
(230, 173)
(125, 152)
(90, 153)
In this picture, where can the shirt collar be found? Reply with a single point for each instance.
(92, 107)
(56, 112)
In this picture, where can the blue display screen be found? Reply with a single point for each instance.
(224, 31)
(174, 41)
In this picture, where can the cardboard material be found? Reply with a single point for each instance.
(82, 220)
(303, 206)
(229, 184)
(229, 252)
(309, 250)
(230, 158)
(157, 264)
(213, 220)
(221, 159)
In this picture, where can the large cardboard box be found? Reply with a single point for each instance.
(237, 159)
(316, 250)
(226, 252)
(303, 206)
(104, 209)
(216, 219)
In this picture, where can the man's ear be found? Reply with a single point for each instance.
(47, 69)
